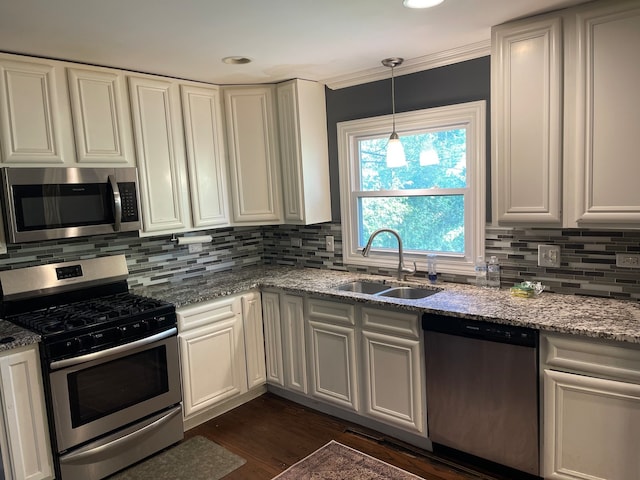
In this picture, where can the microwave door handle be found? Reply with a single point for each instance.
(117, 203)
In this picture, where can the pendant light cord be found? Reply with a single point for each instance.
(393, 99)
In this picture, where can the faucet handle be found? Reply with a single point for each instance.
(409, 270)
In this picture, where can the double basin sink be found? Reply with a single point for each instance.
(382, 290)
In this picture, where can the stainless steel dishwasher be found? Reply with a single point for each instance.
(482, 390)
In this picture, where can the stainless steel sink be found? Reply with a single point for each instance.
(407, 293)
(363, 287)
(383, 290)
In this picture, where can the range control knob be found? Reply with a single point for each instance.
(72, 345)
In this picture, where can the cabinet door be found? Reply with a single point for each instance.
(24, 415)
(253, 155)
(202, 115)
(213, 365)
(254, 339)
(155, 107)
(393, 380)
(332, 349)
(591, 428)
(603, 74)
(302, 120)
(101, 117)
(35, 121)
(294, 354)
(526, 75)
(333, 364)
(273, 338)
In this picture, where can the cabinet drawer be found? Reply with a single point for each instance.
(206, 313)
(392, 322)
(590, 356)
(332, 312)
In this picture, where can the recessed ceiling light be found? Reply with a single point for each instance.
(236, 60)
(421, 3)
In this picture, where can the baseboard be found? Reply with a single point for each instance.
(416, 440)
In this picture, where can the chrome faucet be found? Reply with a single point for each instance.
(402, 270)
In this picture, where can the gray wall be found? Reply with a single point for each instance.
(458, 83)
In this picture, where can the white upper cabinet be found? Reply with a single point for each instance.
(155, 107)
(204, 138)
(101, 116)
(35, 119)
(526, 64)
(302, 119)
(253, 154)
(180, 150)
(602, 116)
(565, 117)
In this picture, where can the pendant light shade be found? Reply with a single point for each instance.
(395, 151)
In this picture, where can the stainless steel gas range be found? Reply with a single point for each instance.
(109, 359)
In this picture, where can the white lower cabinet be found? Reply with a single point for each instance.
(293, 349)
(366, 361)
(220, 352)
(393, 370)
(273, 338)
(254, 339)
(24, 436)
(591, 409)
(332, 352)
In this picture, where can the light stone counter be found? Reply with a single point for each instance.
(588, 316)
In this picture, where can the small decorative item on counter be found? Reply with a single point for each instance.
(493, 272)
(431, 268)
(527, 289)
(481, 272)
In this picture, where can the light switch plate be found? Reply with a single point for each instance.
(548, 255)
(330, 246)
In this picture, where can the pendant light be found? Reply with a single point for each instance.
(395, 152)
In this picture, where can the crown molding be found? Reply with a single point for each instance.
(440, 59)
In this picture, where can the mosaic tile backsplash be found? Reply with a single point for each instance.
(587, 257)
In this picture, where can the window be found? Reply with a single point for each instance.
(436, 203)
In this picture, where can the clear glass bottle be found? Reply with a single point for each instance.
(493, 272)
(481, 272)
(432, 271)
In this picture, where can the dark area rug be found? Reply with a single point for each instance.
(335, 461)
(194, 459)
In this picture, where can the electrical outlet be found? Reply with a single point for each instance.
(548, 256)
(296, 242)
(628, 260)
(195, 247)
(328, 242)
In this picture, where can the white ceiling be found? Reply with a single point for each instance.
(337, 42)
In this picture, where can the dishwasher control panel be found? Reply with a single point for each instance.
(482, 330)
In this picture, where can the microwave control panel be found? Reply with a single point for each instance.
(129, 201)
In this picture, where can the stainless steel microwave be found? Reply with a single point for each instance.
(50, 203)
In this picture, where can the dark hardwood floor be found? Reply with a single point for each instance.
(272, 434)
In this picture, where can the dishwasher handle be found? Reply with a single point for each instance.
(493, 332)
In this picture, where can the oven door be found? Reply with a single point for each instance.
(101, 392)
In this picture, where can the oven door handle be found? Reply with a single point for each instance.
(92, 452)
(117, 203)
(69, 362)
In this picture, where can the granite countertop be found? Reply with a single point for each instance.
(589, 316)
(12, 336)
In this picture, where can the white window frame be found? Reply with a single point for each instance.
(470, 115)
